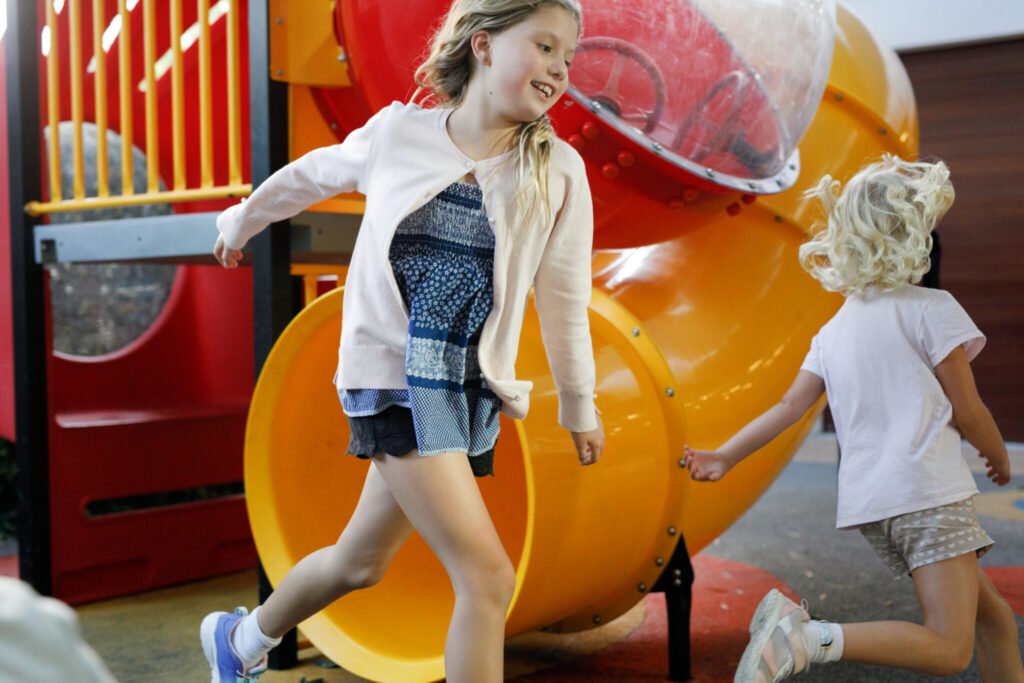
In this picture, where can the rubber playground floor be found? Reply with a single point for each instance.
(786, 540)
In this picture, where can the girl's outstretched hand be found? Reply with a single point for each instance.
(998, 469)
(226, 256)
(707, 465)
(589, 444)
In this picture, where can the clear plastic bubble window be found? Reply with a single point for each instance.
(725, 85)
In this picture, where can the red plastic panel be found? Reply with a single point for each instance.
(164, 414)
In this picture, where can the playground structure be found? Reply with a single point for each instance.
(697, 156)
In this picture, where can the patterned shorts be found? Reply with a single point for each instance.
(391, 432)
(909, 541)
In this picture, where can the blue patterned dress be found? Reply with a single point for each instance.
(443, 259)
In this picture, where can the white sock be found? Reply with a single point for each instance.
(823, 641)
(249, 641)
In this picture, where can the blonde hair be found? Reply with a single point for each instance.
(446, 72)
(877, 231)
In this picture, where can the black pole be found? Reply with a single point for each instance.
(28, 299)
(271, 265)
(676, 582)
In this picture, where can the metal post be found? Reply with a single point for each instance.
(28, 299)
(676, 582)
(272, 287)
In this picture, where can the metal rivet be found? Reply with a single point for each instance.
(709, 173)
(677, 582)
(792, 167)
(597, 619)
(671, 531)
(341, 58)
(334, 126)
(641, 587)
(752, 186)
(278, 20)
(657, 146)
(658, 561)
(677, 572)
(682, 462)
(670, 392)
(279, 72)
(839, 98)
(611, 170)
(778, 219)
(636, 331)
(882, 131)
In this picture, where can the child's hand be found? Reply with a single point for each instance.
(998, 471)
(228, 257)
(589, 444)
(707, 465)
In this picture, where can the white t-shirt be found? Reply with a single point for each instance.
(899, 449)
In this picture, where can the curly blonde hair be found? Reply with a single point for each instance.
(446, 72)
(877, 230)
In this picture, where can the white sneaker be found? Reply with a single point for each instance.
(776, 649)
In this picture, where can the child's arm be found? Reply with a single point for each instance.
(712, 465)
(317, 175)
(562, 291)
(971, 416)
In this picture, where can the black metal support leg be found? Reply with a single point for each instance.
(676, 582)
(28, 300)
(272, 286)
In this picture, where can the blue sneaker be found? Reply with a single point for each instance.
(225, 664)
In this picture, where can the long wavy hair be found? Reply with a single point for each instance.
(446, 72)
(877, 230)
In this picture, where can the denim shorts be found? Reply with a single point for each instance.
(909, 541)
(391, 432)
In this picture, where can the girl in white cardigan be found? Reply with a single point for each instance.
(468, 205)
(894, 362)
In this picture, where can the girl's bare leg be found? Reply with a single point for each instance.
(441, 498)
(996, 633)
(372, 537)
(948, 593)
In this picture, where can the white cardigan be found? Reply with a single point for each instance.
(401, 159)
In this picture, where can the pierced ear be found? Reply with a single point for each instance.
(481, 45)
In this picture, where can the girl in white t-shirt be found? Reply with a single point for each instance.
(894, 362)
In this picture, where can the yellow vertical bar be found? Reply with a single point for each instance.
(125, 77)
(234, 140)
(75, 35)
(206, 152)
(309, 283)
(53, 102)
(178, 142)
(100, 97)
(152, 141)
